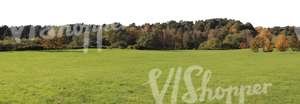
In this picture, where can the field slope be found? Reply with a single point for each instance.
(119, 76)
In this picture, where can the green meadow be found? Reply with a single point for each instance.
(115, 76)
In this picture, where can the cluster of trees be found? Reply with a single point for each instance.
(208, 34)
(204, 34)
(281, 38)
(44, 37)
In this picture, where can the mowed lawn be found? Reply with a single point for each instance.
(118, 76)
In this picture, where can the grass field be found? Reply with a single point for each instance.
(119, 76)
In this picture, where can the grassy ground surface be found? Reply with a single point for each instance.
(118, 76)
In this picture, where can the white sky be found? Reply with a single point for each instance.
(60, 12)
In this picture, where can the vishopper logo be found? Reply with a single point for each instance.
(204, 92)
(297, 31)
(50, 32)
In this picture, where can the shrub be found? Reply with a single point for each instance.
(8, 45)
(243, 45)
(261, 42)
(254, 46)
(76, 42)
(120, 44)
(149, 41)
(27, 44)
(55, 43)
(233, 41)
(294, 43)
(211, 44)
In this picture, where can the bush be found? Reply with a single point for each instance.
(254, 46)
(294, 43)
(243, 45)
(211, 44)
(149, 41)
(120, 44)
(55, 43)
(297, 48)
(8, 45)
(29, 45)
(261, 42)
(76, 42)
(232, 41)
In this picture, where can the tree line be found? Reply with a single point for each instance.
(211, 34)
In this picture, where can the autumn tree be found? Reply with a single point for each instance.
(281, 42)
(262, 40)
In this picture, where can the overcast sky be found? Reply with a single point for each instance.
(58, 12)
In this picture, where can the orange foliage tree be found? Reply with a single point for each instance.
(281, 42)
(262, 40)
